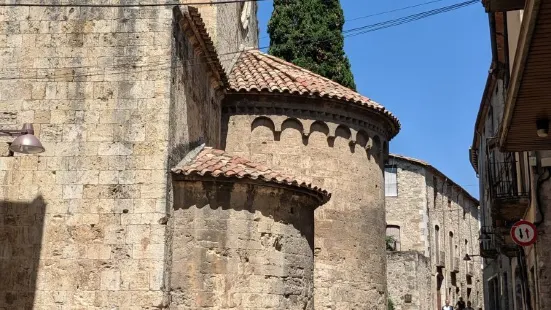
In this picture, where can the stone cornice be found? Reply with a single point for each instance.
(311, 108)
(319, 198)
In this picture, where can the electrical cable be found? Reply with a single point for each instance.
(75, 5)
(370, 28)
(383, 13)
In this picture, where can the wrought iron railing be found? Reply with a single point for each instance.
(504, 180)
(488, 244)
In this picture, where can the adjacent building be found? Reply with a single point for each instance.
(510, 154)
(432, 224)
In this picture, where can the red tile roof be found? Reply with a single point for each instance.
(206, 161)
(192, 23)
(256, 71)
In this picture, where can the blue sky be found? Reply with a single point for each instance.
(430, 73)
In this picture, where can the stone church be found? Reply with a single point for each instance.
(183, 168)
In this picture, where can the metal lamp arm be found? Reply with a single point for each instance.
(26, 130)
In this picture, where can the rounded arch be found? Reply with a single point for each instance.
(376, 145)
(362, 138)
(292, 123)
(263, 128)
(263, 121)
(319, 126)
(343, 132)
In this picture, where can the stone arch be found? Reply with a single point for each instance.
(319, 131)
(362, 138)
(338, 131)
(263, 129)
(291, 124)
(263, 121)
(343, 132)
(376, 147)
(319, 126)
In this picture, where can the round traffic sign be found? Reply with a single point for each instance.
(524, 233)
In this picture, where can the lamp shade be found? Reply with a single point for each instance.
(27, 144)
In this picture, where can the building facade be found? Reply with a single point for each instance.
(115, 95)
(432, 224)
(281, 115)
(510, 154)
(121, 95)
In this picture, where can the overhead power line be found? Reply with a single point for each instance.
(385, 12)
(390, 23)
(82, 5)
(407, 19)
(164, 65)
(394, 10)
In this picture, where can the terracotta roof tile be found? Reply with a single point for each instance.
(257, 71)
(191, 16)
(206, 161)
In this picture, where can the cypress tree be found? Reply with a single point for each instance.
(308, 33)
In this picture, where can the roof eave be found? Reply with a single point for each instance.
(321, 196)
(384, 114)
(438, 172)
(189, 18)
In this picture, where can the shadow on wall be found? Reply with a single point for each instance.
(217, 196)
(21, 226)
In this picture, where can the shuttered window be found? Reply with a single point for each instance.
(391, 182)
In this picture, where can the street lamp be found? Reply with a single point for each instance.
(468, 257)
(25, 142)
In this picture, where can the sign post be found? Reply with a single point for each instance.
(524, 233)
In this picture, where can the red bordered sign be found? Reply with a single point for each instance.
(524, 233)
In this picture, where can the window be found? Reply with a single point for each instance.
(437, 240)
(434, 191)
(451, 247)
(391, 183)
(393, 238)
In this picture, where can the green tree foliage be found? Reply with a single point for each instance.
(308, 33)
(390, 304)
(390, 243)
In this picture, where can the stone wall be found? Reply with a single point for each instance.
(428, 199)
(350, 268)
(405, 209)
(235, 36)
(96, 83)
(240, 246)
(409, 273)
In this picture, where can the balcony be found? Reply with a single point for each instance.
(488, 246)
(510, 198)
(455, 264)
(503, 5)
(441, 259)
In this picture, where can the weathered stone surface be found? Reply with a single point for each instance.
(114, 98)
(241, 246)
(409, 273)
(430, 206)
(350, 268)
